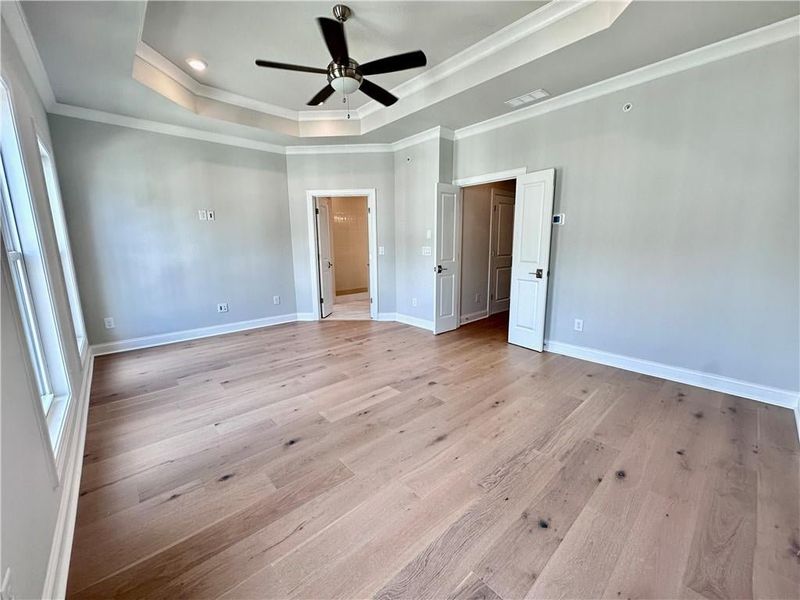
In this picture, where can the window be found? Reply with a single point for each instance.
(62, 238)
(19, 274)
(32, 284)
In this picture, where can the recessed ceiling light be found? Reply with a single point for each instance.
(197, 64)
(527, 98)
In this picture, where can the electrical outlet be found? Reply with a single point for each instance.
(222, 307)
(109, 322)
(276, 299)
(477, 298)
(202, 214)
(381, 250)
(413, 302)
(578, 324)
(211, 215)
(426, 251)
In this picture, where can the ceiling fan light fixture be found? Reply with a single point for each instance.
(346, 85)
(197, 64)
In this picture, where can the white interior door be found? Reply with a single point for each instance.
(447, 289)
(501, 242)
(323, 210)
(533, 216)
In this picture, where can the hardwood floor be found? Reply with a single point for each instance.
(351, 307)
(361, 459)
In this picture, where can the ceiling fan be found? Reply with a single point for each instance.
(346, 75)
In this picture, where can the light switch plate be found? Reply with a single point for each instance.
(202, 214)
(381, 250)
(109, 322)
(276, 299)
(211, 216)
(426, 251)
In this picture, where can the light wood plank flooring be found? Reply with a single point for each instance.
(374, 460)
(351, 307)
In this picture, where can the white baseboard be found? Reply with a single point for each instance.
(797, 418)
(476, 316)
(414, 321)
(718, 383)
(387, 316)
(190, 334)
(306, 317)
(55, 582)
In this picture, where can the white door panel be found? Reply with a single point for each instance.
(448, 261)
(500, 256)
(323, 206)
(533, 217)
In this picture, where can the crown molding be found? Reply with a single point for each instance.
(499, 40)
(166, 66)
(17, 25)
(434, 133)
(99, 116)
(745, 42)
(505, 49)
(18, 28)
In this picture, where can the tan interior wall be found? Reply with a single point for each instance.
(350, 244)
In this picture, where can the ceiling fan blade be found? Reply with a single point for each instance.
(398, 62)
(333, 32)
(288, 67)
(321, 96)
(376, 92)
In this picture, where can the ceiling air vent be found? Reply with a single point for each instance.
(528, 98)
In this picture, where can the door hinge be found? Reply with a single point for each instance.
(321, 300)
(370, 300)
(369, 210)
(316, 210)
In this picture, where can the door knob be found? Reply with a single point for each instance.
(537, 272)
(330, 265)
(439, 268)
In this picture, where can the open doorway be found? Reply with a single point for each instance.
(343, 240)
(487, 246)
(520, 289)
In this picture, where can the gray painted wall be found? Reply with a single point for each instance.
(338, 172)
(681, 237)
(142, 255)
(30, 499)
(416, 175)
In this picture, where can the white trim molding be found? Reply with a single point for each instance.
(434, 133)
(718, 383)
(414, 321)
(186, 335)
(764, 36)
(374, 290)
(490, 177)
(55, 583)
(745, 42)
(99, 116)
(23, 38)
(552, 26)
(475, 316)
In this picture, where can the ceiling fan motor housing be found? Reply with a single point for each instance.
(344, 78)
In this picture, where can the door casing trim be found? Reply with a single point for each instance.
(313, 244)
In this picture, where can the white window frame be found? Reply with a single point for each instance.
(64, 249)
(32, 279)
(19, 275)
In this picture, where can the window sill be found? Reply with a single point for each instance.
(56, 419)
